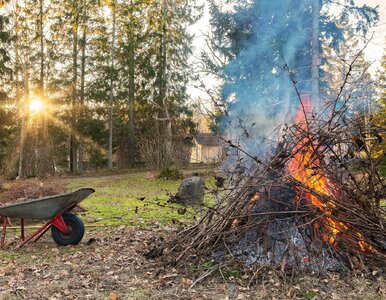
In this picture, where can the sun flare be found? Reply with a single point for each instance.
(36, 106)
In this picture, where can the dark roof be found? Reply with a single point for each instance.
(207, 139)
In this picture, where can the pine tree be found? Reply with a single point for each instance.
(380, 117)
(347, 67)
(381, 82)
(77, 19)
(8, 114)
(169, 48)
(150, 65)
(267, 46)
(25, 48)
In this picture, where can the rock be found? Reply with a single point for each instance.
(191, 191)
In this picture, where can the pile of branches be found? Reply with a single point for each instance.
(345, 217)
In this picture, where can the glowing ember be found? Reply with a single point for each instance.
(255, 198)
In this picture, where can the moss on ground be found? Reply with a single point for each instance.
(129, 199)
(6, 255)
(383, 170)
(383, 166)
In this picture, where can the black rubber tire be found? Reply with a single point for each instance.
(76, 231)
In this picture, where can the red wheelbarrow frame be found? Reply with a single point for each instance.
(52, 208)
(56, 221)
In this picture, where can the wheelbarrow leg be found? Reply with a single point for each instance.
(22, 235)
(4, 232)
(57, 221)
(38, 233)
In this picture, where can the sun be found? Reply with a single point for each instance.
(36, 106)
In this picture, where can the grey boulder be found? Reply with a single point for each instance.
(191, 191)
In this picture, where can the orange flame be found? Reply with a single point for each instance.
(305, 167)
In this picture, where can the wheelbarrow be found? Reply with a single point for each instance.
(66, 228)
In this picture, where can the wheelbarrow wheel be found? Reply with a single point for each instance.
(75, 231)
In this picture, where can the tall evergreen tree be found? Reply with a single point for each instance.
(169, 48)
(381, 85)
(266, 42)
(7, 113)
(347, 67)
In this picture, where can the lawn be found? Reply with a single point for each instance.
(136, 199)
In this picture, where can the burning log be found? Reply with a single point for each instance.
(308, 207)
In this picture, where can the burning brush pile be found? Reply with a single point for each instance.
(315, 205)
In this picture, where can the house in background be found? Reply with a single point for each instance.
(207, 149)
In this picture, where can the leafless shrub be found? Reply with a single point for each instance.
(157, 153)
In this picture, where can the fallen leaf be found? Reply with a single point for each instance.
(241, 297)
(382, 290)
(186, 281)
(113, 296)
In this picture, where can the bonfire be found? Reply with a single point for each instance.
(313, 205)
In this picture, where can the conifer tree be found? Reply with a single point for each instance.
(380, 117)
(267, 45)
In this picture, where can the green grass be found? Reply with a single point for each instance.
(383, 170)
(383, 167)
(117, 200)
(7, 255)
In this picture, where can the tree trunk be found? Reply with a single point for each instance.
(41, 81)
(315, 51)
(44, 159)
(167, 128)
(73, 140)
(82, 88)
(111, 101)
(22, 164)
(131, 141)
(21, 171)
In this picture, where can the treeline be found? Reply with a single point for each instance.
(111, 77)
(260, 50)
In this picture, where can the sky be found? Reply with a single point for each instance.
(373, 52)
(376, 46)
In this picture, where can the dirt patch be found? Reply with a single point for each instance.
(110, 264)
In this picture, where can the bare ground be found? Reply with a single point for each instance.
(110, 264)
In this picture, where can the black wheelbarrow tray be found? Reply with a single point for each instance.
(66, 228)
